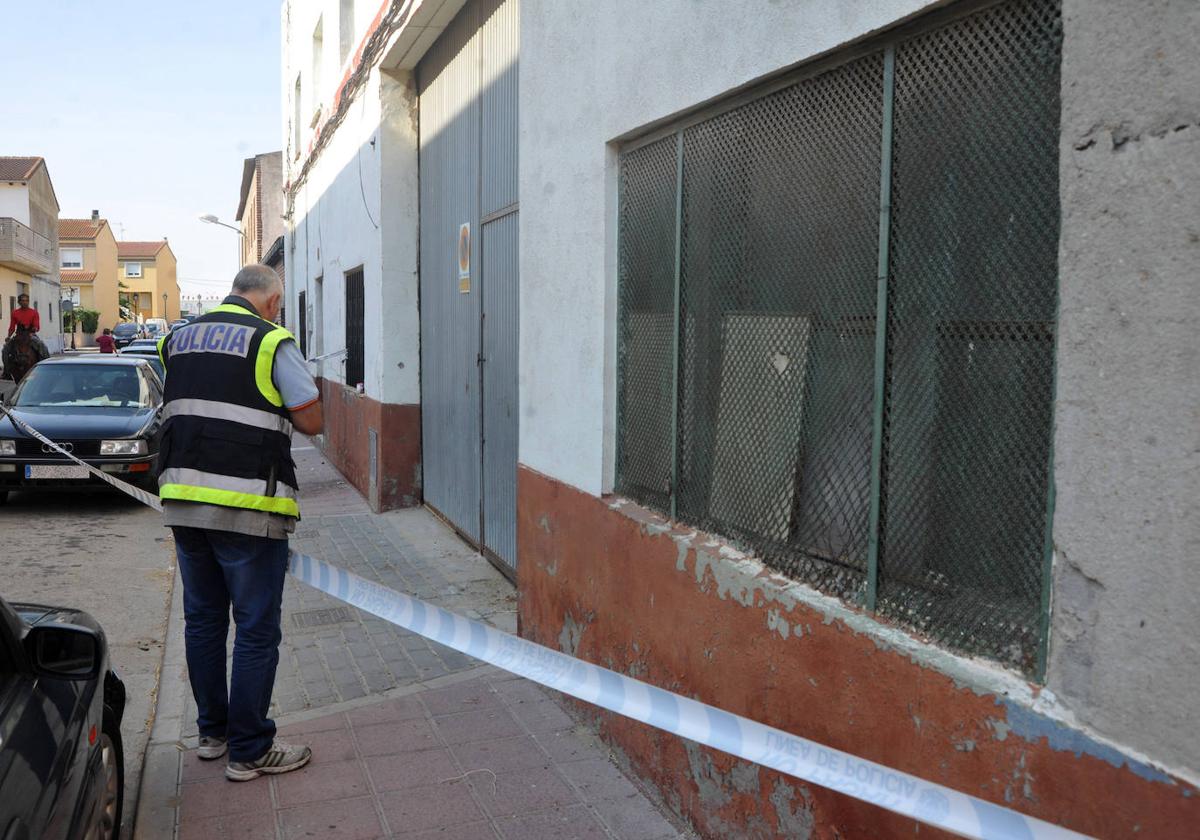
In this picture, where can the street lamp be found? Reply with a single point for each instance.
(209, 218)
(164, 306)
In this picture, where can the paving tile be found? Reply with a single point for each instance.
(389, 711)
(195, 770)
(321, 780)
(466, 831)
(520, 791)
(520, 691)
(573, 823)
(574, 744)
(634, 818)
(399, 737)
(544, 716)
(483, 724)
(346, 819)
(327, 746)
(464, 697)
(411, 769)
(501, 755)
(325, 723)
(598, 778)
(250, 826)
(220, 797)
(438, 806)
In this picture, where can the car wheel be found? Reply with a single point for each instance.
(3, 496)
(106, 824)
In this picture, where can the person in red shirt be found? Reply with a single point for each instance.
(106, 342)
(25, 317)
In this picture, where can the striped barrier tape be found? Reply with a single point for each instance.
(902, 793)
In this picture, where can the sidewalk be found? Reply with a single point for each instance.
(410, 739)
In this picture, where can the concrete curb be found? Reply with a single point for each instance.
(158, 795)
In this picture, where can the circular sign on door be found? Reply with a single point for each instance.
(464, 258)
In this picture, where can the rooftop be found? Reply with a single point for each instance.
(71, 275)
(140, 249)
(80, 228)
(19, 168)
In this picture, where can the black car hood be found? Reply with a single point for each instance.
(76, 422)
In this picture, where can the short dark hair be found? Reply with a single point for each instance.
(106, 331)
(23, 296)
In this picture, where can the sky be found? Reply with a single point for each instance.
(145, 112)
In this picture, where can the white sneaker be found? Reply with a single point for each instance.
(280, 758)
(211, 747)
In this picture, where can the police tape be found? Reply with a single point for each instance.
(927, 802)
(148, 499)
(930, 803)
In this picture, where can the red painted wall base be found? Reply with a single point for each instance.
(349, 417)
(618, 586)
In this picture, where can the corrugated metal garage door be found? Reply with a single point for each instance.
(469, 281)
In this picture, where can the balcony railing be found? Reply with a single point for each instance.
(23, 249)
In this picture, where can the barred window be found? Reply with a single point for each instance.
(901, 464)
(355, 340)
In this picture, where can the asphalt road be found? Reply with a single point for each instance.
(107, 554)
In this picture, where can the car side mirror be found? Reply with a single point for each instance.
(64, 651)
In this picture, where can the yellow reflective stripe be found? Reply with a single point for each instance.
(228, 498)
(160, 345)
(233, 308)
(266, 361)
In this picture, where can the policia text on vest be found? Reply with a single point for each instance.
(227, 434)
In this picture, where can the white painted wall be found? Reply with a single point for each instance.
(590, 73)
(14, 202)
(357, 206)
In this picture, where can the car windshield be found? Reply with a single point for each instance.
(83, 385)
(125, 329)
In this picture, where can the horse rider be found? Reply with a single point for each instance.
(31, 321)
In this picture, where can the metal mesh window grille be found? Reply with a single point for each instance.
(355, 338)
(904, 465)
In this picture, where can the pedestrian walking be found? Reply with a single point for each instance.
(105, 342)
(237, 387)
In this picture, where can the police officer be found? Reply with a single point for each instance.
(236, 387)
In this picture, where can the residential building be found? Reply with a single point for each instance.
(855, 391)
(148, 278)
(199, 304)
(88, 262)
(260, 215)
(29, 244)
(260, 205)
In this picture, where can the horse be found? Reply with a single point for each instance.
(21, 352)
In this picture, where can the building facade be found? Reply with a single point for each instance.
(855, 390)
(148, 278)
(837, 409)
(260, 205)
(29, 244)
(88, 263)
(199, 304)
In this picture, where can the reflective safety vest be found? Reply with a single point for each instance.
(227, 437)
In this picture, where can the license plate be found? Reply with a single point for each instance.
(54, 471)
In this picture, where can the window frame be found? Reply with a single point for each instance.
(62, 258)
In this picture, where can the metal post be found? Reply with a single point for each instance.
(881, 310)
(675, 332)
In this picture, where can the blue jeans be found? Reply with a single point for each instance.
(220, 568)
